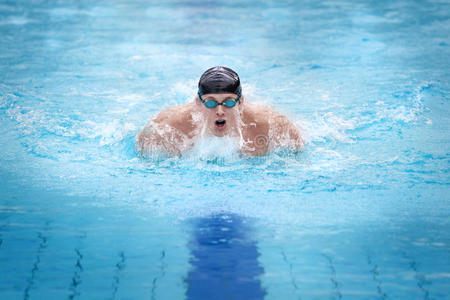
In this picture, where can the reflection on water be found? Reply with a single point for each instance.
(224, 260)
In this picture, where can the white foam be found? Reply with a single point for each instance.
(108, 133)
(131, 99)
(407, 113)
(328, 126)
(212, 147)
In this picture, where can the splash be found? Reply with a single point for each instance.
(411, 112)
(213, 148)
(158, 140)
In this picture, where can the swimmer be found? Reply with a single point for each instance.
(219, 109)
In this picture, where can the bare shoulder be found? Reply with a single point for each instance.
(282, 131)
(266, 115)
(257, 114)
(168, 130)
(174, 116)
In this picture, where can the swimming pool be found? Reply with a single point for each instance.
(362, 213)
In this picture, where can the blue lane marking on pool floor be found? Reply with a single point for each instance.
(224, 260)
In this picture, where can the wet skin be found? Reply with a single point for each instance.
(258, 128)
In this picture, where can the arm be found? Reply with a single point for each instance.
(159, 135)
(285, 134)
(156, 137)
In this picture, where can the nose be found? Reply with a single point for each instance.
(220, 110)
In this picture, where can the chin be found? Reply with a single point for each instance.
(218, 132)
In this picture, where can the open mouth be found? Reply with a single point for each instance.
(220, 124)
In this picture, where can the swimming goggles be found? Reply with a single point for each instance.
(229, 103)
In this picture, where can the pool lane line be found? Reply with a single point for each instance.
(2, 228)
(224, 260)
(334, 283)
(76, 277)
(120, 265)
(421, 281)
(42, 245)
(78, 269)
(1, 235)
(291, 273)
(375, 272)
(162, 270)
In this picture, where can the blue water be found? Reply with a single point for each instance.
(362, 213)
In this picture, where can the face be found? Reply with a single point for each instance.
(221, 120)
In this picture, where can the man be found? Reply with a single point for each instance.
(219, 110)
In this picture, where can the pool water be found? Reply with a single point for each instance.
(361, 213)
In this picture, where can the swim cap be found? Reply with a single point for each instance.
(219, 80)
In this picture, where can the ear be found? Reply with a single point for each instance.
(197, 100)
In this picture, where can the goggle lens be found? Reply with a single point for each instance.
(229, 103)
(210, 104)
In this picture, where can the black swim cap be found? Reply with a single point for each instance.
(219, 80)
